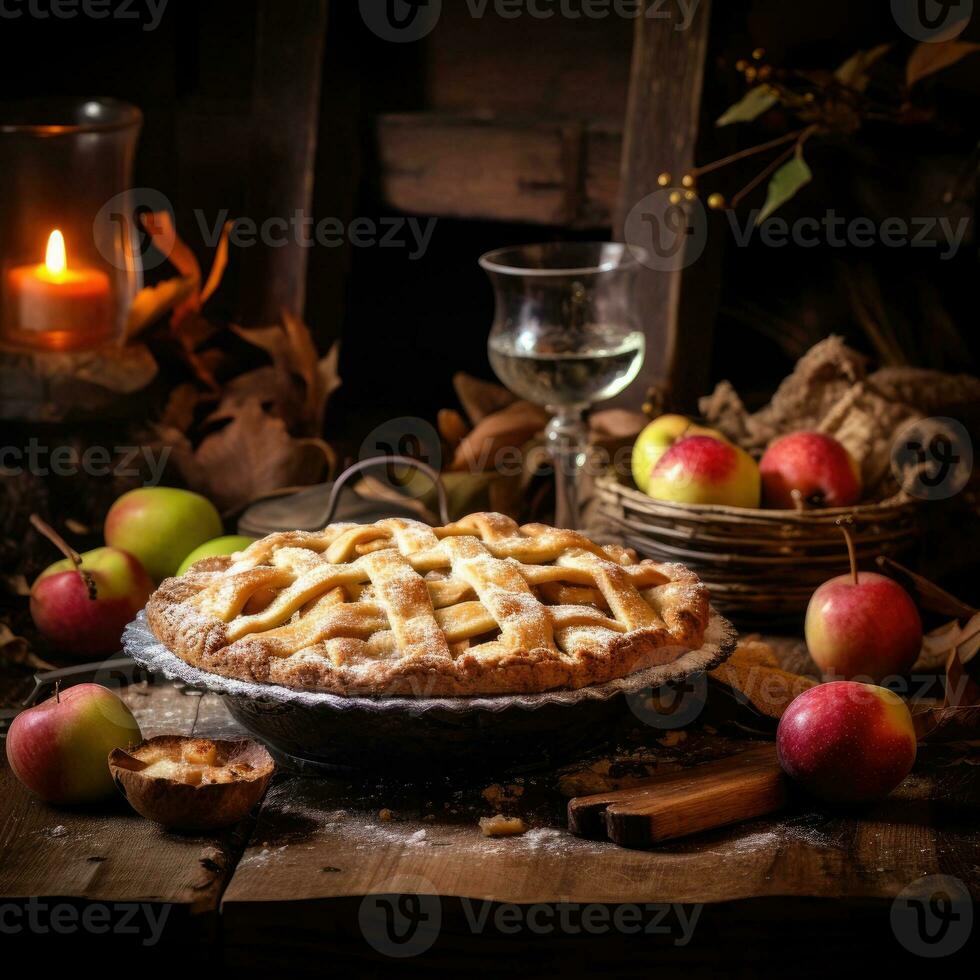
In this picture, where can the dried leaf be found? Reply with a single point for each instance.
(480, 398)
(278, 393)
(219, 265)
(17, 650)
(926, 594)
(180, 408)
(509, 428)
(753, 674)
(930, 57)
(16, 584)
(752, 105)
(253, 456)
(784, 184)
(960, 710)
(151, 303)
(452, 427)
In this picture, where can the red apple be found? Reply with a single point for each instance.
(846, 742)
(60, 749)
(76, 621)
(701, 469)
(862, 625)
(816, 465)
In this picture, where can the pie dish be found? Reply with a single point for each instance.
(479, 606)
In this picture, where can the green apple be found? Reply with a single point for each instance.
(161, 526)
(656, 439)
(226, 545)
(704, 470)
(86, 615)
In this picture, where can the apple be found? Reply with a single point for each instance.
(161, 526)
(846, 742)
(226, 545)
(703, 470)
(862, 625)
(656, 439)
(85, 613)
(60, 748)
(815, 465)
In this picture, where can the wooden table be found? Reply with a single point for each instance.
(310, 871)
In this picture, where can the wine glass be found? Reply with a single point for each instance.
(565, 335)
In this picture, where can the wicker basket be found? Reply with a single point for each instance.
(762, 566)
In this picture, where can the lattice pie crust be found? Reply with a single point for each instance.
(482, 606)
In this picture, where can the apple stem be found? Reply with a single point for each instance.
(798, 500)
(851, 553)
(68, 551)
(57, 692)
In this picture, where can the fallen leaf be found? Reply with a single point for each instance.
(960, 709)
(930, 57)
(17, 650)
(255, 455)
(480, 398)
(452, 427)
(494, 435)
(181, 405)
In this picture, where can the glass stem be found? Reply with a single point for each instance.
(567, 439)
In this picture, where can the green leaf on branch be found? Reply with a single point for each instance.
(785, 183)
(931, 57)
(854, 72)
(755, 102)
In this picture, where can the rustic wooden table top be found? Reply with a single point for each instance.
(298, 871)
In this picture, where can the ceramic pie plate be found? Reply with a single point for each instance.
(314, 729)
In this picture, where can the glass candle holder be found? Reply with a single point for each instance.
(566, 334)
(69, 253)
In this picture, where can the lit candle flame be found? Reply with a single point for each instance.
(55, 259)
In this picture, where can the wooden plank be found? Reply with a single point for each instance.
(322, 839)
(661, 134)
(537, 171)
(284, 124)
(109, 853)
(679, 804)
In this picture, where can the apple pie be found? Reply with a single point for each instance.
(480, 606)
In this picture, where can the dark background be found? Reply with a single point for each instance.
(407, 325)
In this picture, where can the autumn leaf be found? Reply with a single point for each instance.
(784, 185)
(930, 57)
(755, 102)
(251, 457)
(480, 398)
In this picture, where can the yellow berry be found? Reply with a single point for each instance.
(741, 64)
(759, 54)
(675, 197)
(716, 202)
(690, 196)
(664, 179)
(750, 74)
(687, 180)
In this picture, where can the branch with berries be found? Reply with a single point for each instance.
(824, 103)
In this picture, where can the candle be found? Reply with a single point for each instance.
(53, 306)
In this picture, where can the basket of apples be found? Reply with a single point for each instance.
(762, 533)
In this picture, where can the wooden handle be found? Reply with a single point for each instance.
(715, 794)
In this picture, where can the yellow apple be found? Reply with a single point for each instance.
(704, 470)
(657, 438)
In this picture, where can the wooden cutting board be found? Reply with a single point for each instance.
(677, 804)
